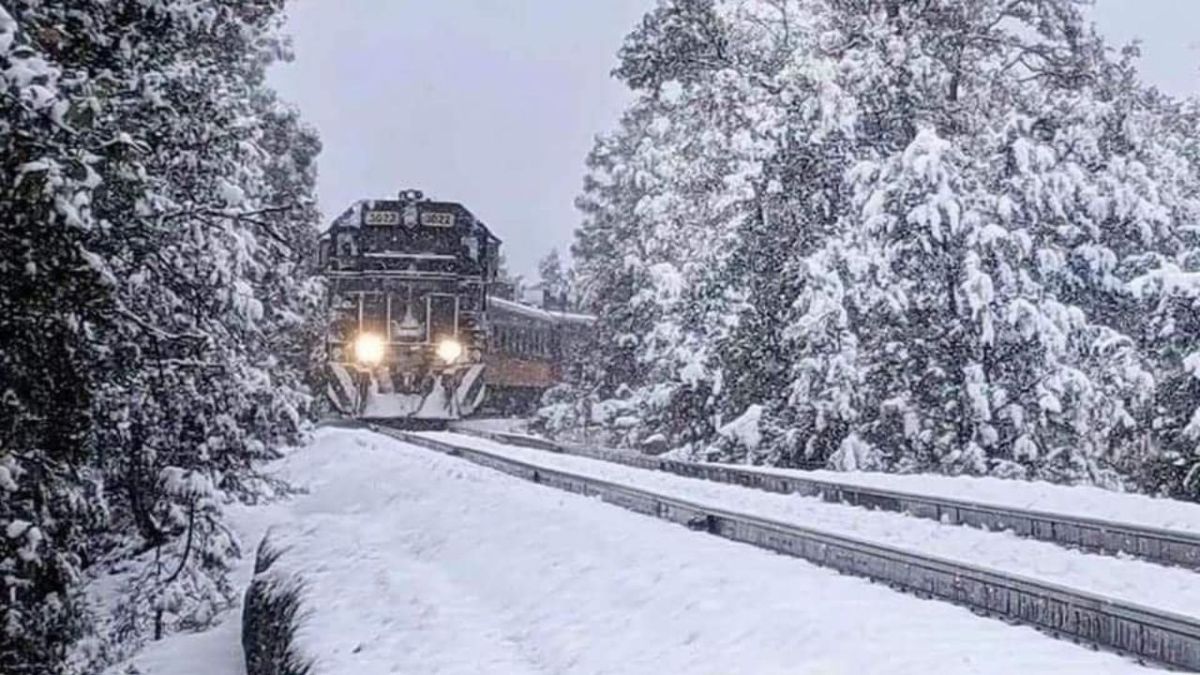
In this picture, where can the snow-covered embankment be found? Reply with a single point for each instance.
(416, 562)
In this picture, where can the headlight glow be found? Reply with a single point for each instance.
(449, 350)
(368, 349)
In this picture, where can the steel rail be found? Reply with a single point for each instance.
(1095, 535)
(1149, 635)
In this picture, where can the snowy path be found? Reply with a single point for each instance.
(1171, 589)
(421, 563)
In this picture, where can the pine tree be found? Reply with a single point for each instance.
(609, 254)
(554, 280)
(1166, 297)
(48, 495)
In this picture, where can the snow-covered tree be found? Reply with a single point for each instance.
(162, 212)
(553, 278)
(1165, 317)
(48, 503)
(906, 235)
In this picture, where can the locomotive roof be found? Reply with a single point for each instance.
(353, 218)
(537, 313)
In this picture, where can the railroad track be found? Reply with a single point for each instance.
(1151, 636)
(1094, 535)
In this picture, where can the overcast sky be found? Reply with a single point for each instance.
(494, 103)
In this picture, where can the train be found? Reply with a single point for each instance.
(419, 328)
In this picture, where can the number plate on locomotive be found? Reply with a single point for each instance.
(437, 219)
(381, 218)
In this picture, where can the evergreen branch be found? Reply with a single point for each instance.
(187, 547)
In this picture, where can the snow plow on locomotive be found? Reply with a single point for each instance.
(415, 333)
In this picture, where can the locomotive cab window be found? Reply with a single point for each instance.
(374, 313)
(323, 250)
(406, 320)
(345, 245)
(443, 317)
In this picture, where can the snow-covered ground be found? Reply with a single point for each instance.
(217, 651)
(421, 563)
(1079, 501)
(1142, 583)
(494, 424)
(214, 652)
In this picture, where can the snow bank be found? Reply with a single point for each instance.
(1079, 501)
(272, 613)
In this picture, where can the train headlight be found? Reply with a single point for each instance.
(368, 349)
(449, 350)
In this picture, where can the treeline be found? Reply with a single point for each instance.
(156, 213)
(928, 235)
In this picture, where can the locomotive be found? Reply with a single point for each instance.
(417, 329)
